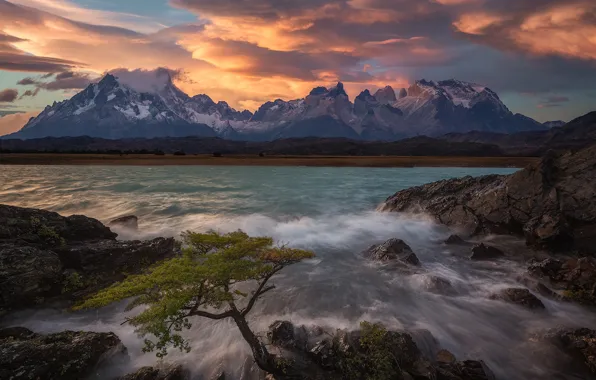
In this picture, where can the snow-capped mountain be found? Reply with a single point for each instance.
(554, 124)
(111, 109)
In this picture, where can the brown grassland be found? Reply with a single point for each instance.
(244, 160)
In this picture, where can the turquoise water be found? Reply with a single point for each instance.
(331, 211)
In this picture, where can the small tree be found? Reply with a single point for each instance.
(203, 282)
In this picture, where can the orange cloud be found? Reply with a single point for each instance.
(13, 122)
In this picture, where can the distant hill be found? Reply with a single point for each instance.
(111, 109)
(576, 134)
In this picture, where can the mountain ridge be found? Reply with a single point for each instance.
(111, 109)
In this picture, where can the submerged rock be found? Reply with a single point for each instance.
(69, 355)
(393, 250)
(45, 256)
(485, 252)
(130, 222)
(172, 372)
(438, 285)
(519, 296)
(552, 203)
(454, 240)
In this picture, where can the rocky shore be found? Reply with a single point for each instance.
(50, 260)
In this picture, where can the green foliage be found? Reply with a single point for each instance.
(373, 359)
(47, 233)
(72, 282)
(200, 282)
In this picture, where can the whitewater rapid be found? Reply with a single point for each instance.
(331, 212)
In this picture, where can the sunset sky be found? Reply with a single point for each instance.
(539, 55)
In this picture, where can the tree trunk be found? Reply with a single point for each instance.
(262, 357)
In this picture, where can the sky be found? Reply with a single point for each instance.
(538, 55)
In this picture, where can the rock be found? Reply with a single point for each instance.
(171, 372)
(350, 354)
(28, 274)
(454, 240)
(44, 256)
(579, 344)
(438, 285)
(444, 356)
(281, 334)
(485, 252)
(130, 222)
(519, 296)
(576, 277)
(62, 356)
(466, 370)
(48, 228)
(552, 202)
(393, 250)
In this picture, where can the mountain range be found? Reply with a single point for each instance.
(113, 110)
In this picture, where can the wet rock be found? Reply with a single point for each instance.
(465, 370)
(281, 334)
(579, 344)
(350, 354)
(444, 356)
(40, 227)
(130, 222)
(485, 252)
(46, 257)
(62, 356)
(576, 277)
(519, 296)
(395, 250)
(438, 285)
(171, 372)
(552, 202)
(454, 240)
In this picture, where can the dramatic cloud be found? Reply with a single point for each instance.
(248, 52)
(9, 95)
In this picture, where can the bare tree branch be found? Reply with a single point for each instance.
(200, 313)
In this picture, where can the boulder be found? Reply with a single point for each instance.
(576, 277)
(62, 356)
(552, 202)
(393, 250)
(168, 372)
(485, 252)
(45, 256)
(130, 222)
(438, 285)
(352, 354)
(454, 240)
(578, 343)
(518, 296)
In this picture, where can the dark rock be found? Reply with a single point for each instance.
(28, 275)
(575, 277)
(579, 344)
(62, 356)
(455, 240)
(466, 370)
(438, 285)
(49, 228)
(552, 203)
(485, 252)
(393, 250)
(281, 334)
(130, 222)
(44, 256)
(519, 296)
(173, 372)
(349, 354)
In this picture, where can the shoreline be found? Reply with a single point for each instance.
(252, 160)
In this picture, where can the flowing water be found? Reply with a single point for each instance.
(328, 210)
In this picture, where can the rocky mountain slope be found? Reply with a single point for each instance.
(110, 109)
